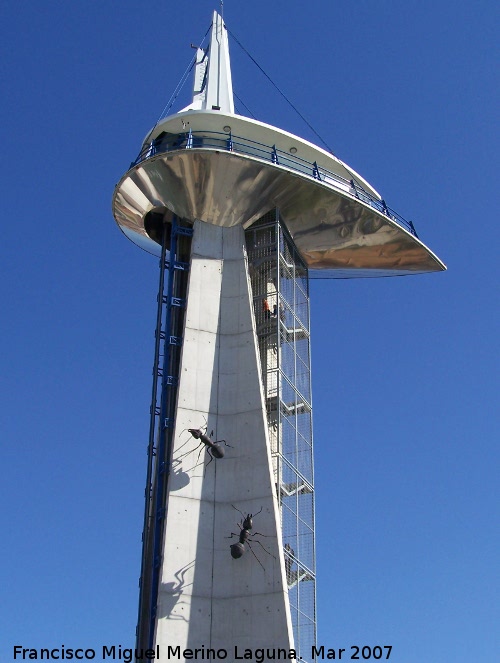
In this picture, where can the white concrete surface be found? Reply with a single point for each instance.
(207, 598)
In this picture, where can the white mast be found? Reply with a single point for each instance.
(213, 88)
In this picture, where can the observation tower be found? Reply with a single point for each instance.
(239, 213)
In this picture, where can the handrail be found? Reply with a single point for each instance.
(246, 146)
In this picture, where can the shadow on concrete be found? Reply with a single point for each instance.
(171, 592)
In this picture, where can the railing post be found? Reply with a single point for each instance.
(412, 229)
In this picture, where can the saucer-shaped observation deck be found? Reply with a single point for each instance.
(207, 163)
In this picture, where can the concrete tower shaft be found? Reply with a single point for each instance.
(207, 598)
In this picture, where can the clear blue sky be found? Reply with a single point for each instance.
(405, 370)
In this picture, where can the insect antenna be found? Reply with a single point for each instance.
(242, 514)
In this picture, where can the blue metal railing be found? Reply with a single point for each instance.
(228, 142)
(162, 418)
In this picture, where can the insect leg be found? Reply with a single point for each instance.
(199, 454)
(186, 453)
(211, 458)
(256, 555)
(260, 544)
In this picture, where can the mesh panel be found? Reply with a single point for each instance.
(281, 306)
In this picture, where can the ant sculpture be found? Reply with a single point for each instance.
(214, 449)
(238, 549)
